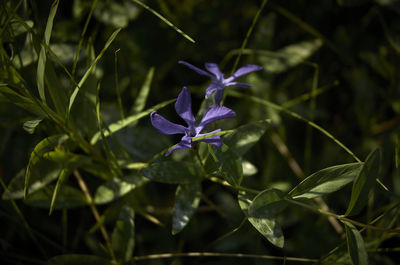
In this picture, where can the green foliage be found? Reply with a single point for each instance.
(83, 171)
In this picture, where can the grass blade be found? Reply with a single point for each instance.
(166, 21)
(42, 55)
(91, 68)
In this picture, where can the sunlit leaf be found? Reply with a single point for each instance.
(115, 14)
(31, 125)
(355, 245)
(248, 168)
(141, 98)
(171, 172)
(267, 204)
(326, 181)
(266, 225)
(244, 137)
(117, 187)
(187, 199)
(363, 183)
(230, 165)
(123, 235)
(68, 197)
(91, 68)
(287, 57)
(114, 127)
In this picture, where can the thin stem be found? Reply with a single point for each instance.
(225, 183)
(294, 115)
(342, 218)
(219, 254)
(253, 23)
(95, 212)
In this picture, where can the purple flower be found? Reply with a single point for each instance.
(218, 81)
(183, 107)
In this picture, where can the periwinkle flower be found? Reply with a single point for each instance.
(218, 81)
(183, 107)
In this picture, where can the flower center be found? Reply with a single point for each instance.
(192, 132)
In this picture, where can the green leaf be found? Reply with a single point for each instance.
(91, 68)
(73, 259)
(117, 187)
(355, 245)
(61, 179)
(244, 137)
(187, 199)
(58, 93)
(171, 172)
(42, 55)
(288, 57)
(114, 127)
(68, 197)
(123, 236)
(31, 125)
(363, 184)
(141, 99)
(164, 20)
(267, 226)
(326, 181)
(43, 171)
(267, 204)
(230, 165)
(21, 101)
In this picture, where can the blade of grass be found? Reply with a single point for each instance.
(141, 99)
(248, 34)
(61, 179)
(166, 21)
(114, 127)
(121, 109)
(91, 68)
(42, 56)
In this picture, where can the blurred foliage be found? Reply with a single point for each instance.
(335, 63)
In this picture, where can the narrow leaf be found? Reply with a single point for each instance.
(244, 137)
(44, 146)
(141, 99)
(23, 102)
(114, 127)
(355, 245)
(363, 184)
(123, 236)
(68, 197)
(91, 68)
(326, 181)
(171, 172)
(61, 179)
(42, 55)
(187, 199)
(117, 187)
(164, 20)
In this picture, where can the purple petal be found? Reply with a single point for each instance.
(213, 87)
(213, 68)
(244, 70)
(194, 68)
(183, 107)
(186, 142)
(214, 140)
(239, 84)
(164, 126)
(213, 114)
